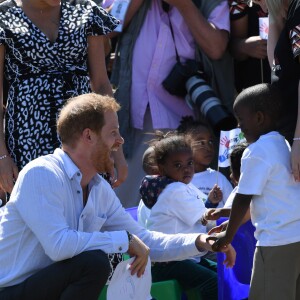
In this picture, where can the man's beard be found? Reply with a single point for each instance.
(102, 159)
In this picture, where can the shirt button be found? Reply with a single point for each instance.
(78, 174)
(120, 248)
(78, 192)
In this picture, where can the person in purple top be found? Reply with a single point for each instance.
(153, 32)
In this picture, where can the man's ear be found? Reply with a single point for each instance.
(87, 135)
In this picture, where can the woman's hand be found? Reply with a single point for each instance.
(121, 167)
(256, 47)
(8, 174)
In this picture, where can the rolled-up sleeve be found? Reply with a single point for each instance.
(163, 247)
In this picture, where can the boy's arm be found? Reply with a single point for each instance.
(216, 213)
(202, 243)
(239, 208)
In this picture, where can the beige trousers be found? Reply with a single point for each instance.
(276, 273)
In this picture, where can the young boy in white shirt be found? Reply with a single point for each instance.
(267, 185)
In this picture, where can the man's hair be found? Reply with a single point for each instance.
(264, 97)
(81, 112)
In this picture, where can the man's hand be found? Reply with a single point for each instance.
(140, 251)
(221, 241)
(230, 256)
(226, 248)
(204, 242)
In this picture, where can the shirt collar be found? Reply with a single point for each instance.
(70, 167)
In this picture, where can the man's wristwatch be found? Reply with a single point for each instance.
(130, 237)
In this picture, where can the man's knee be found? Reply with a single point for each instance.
(97, 261)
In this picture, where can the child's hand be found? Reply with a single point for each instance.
(218, 229)
(221, 241)
(212, 214)
(203, 220)
(215, 195)
(228, 250)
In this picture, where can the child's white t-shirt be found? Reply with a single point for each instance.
(206, 180)
(228, 203)
(275, 207)
(143, 214)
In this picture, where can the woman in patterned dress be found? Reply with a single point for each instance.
(50, 50)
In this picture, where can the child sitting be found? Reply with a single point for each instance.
(205, 179)
(180, 209)
(267, 183)
(152, 184)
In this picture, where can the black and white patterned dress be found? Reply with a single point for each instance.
(43, 74)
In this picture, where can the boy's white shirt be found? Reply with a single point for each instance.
(275, 207)
(228, 203)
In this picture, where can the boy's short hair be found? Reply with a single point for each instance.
(263, 97)
(81, 112)
(236, 157)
